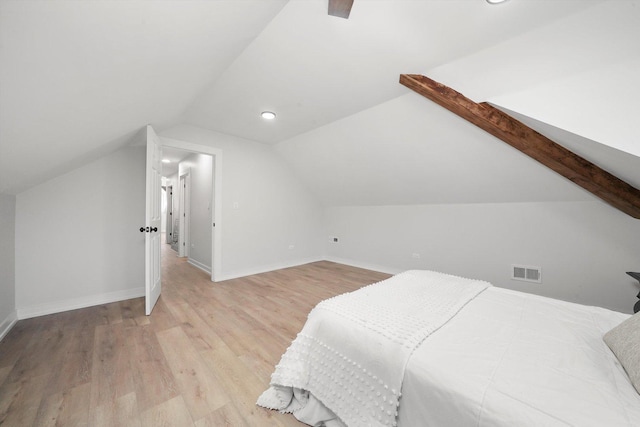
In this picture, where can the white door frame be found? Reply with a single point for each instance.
(184, 184)
(168, 237)
(216, 197)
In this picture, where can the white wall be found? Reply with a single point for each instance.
(407, 176)
(410, 150)
(7, 263)
(584, 248)
(77, 237)
(265, 209)
(201, 208)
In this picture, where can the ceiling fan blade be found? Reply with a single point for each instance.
(340, 8)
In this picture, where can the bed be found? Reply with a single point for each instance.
(429, 349)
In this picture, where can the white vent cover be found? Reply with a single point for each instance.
(526, 273)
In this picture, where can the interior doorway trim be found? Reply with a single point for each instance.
(169, 214)
(216, 196)
(184, 183)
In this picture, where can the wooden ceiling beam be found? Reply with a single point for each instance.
(582, 172)
(340, 8)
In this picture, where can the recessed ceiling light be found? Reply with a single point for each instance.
(268, 115)
(166, 161)
(496, 1)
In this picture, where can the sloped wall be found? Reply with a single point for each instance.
(412, 151)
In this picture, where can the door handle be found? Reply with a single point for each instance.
(154, 229)
(148, 229)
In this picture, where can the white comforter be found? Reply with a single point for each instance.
(515, 359)
(353, 350)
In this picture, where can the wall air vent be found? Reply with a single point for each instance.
(526, 273)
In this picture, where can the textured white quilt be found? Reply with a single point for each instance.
(352, 352)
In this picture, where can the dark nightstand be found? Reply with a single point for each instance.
(636, 308)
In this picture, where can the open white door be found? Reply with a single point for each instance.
(153, 284)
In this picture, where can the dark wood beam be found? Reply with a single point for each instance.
(340, 8)
(587, 175)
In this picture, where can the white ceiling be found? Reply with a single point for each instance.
(313, 69)
(174, 157)
(77, 76)
(80, 79)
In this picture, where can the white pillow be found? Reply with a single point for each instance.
(624, 341)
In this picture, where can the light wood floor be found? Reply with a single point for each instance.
(202, 358)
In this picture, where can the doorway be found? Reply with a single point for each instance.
(194, 203)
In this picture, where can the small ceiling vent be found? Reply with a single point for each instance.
(526, 273)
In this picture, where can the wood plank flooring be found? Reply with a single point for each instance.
(201, 359)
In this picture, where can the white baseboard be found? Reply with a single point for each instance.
(199, 265)
(265, 269)
(7, 324)
(89, 301)
(365, 265)
(76, 303)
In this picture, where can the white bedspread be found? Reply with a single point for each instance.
(515, 359)
(352, 352)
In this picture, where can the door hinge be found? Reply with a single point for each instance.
(214, 224)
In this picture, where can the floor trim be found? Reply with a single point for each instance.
(199, 265)
(7, 324)
(76, 303)
(364, 265)
(267, 268)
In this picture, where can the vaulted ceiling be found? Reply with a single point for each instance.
(80, 79)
